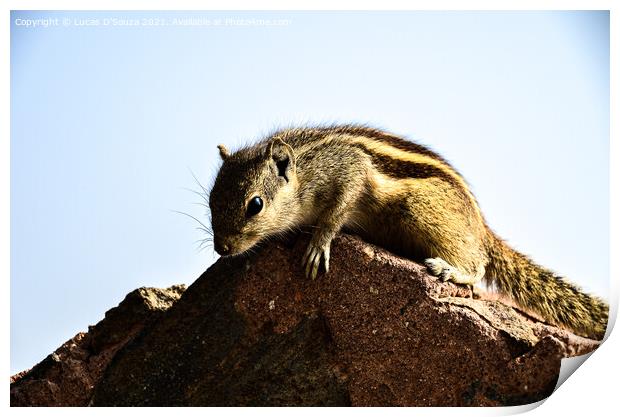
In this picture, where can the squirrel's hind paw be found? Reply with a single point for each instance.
(446, 272)
(438, 267)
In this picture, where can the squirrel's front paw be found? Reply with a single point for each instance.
(312, 258)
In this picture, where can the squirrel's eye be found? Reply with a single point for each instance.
(255, 206)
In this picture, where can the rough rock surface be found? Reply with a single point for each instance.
(376, 331)
(68, 376)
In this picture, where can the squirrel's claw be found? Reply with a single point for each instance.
(312, 259)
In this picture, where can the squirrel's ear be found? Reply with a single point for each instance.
(224, 153)
(282, 158)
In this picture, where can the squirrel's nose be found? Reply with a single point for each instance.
(222, 248)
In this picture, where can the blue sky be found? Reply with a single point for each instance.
(108, 121)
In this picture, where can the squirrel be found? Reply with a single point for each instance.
(392, 192)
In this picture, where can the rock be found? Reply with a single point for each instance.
(376, 331)
(68, 376)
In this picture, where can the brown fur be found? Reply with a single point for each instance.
(392, 192)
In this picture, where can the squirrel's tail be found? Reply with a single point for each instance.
(541, 291)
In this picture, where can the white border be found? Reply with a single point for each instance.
(309, 5)
(591, 390)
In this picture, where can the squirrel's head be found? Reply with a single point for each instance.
(252, 196)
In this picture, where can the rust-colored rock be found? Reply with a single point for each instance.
(68, 376)
(376, 330)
